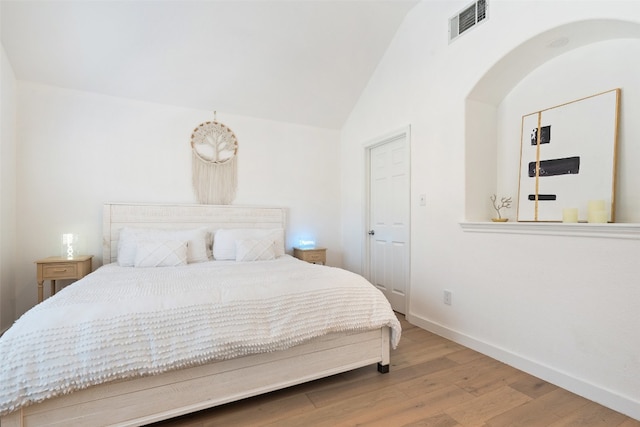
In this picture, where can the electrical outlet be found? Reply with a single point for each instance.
(447, 297)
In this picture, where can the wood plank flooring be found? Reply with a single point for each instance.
(433, 382)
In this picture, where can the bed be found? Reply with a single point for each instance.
(277, 348)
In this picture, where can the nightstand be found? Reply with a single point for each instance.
(312, 255)
(55, 267)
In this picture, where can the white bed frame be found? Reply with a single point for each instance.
(144, 400)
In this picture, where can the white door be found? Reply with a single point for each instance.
(388, 250)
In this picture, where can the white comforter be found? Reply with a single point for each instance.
(122, 322)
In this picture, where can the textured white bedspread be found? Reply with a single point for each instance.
(122, 322)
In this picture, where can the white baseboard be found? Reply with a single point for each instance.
(605, 397)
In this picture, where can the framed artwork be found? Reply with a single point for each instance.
(568, 158)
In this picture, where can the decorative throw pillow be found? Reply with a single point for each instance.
(166, 253)
(254, 250)
(130, 236)
(224, 242)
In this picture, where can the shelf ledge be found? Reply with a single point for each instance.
(611, 231)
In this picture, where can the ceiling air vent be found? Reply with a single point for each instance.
(470, 16)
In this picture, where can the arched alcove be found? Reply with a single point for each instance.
(483, 155)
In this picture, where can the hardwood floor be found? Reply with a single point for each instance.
(433, 382)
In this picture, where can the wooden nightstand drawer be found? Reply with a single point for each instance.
(60, 271)
(315, 255)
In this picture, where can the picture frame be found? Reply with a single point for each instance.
(568, 158)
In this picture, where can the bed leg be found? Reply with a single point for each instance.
(383, 369)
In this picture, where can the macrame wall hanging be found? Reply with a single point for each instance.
(215, 166)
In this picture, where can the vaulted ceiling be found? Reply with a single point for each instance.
(303, 61)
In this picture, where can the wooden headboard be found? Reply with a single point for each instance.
(119, 215)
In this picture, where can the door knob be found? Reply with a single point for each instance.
(371, 232)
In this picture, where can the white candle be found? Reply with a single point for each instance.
(598, 217)
(570, 215)
(595, 205)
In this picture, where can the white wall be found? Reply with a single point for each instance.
(79, 150)
(7, 192)
(563, 308)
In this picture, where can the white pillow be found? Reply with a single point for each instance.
(224, 242)
(255, 250)
(168, 253)
(129, 238)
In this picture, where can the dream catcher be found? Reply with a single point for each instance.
(215, 165)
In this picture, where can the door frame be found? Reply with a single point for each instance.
(366, 246)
